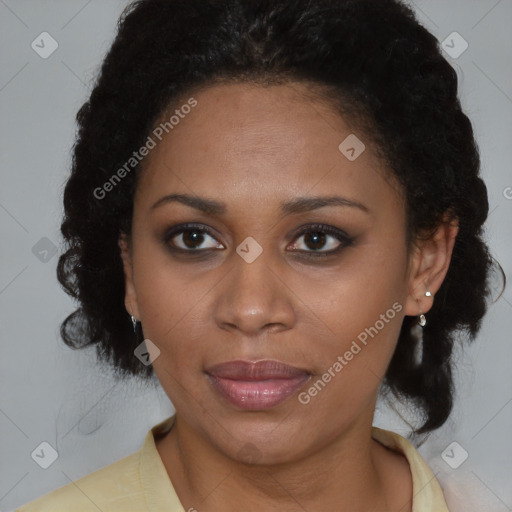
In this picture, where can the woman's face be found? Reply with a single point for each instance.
(262, 284)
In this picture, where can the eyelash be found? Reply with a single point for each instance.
(345, 239)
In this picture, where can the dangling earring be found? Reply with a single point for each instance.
(422, 320)
(134, 322)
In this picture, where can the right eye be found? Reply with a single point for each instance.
(188, 237)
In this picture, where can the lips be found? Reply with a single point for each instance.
(256, 385)
(261, 370)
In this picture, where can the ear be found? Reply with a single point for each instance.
(130, 297)
(429, 264)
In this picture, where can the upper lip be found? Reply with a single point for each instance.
(259, 370)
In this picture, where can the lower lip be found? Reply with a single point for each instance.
(254, 395)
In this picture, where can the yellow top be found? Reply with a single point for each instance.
(140, 483)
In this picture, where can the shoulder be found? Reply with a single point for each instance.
(428, 494)
(124, 486)
(111, 488)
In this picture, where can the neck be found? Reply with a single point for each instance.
(346, 474)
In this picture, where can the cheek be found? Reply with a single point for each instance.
(356, 312)
(352, 354)
(170, 304)
(355, 293)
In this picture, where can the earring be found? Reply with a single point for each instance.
(134, 322)
(422, 320)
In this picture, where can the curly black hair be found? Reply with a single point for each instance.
(373, 61)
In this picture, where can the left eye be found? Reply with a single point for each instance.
(316, 237)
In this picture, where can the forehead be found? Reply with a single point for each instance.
(253, 143)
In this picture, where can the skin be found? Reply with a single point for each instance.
(254, 148)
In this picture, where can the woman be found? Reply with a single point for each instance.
(283, 199)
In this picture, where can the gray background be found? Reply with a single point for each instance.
(51, 393)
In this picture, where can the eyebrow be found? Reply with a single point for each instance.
(294, 206)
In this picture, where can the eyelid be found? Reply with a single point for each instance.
(325, 228)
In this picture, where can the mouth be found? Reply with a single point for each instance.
(256, 385)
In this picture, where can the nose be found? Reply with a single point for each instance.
(254, 298)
